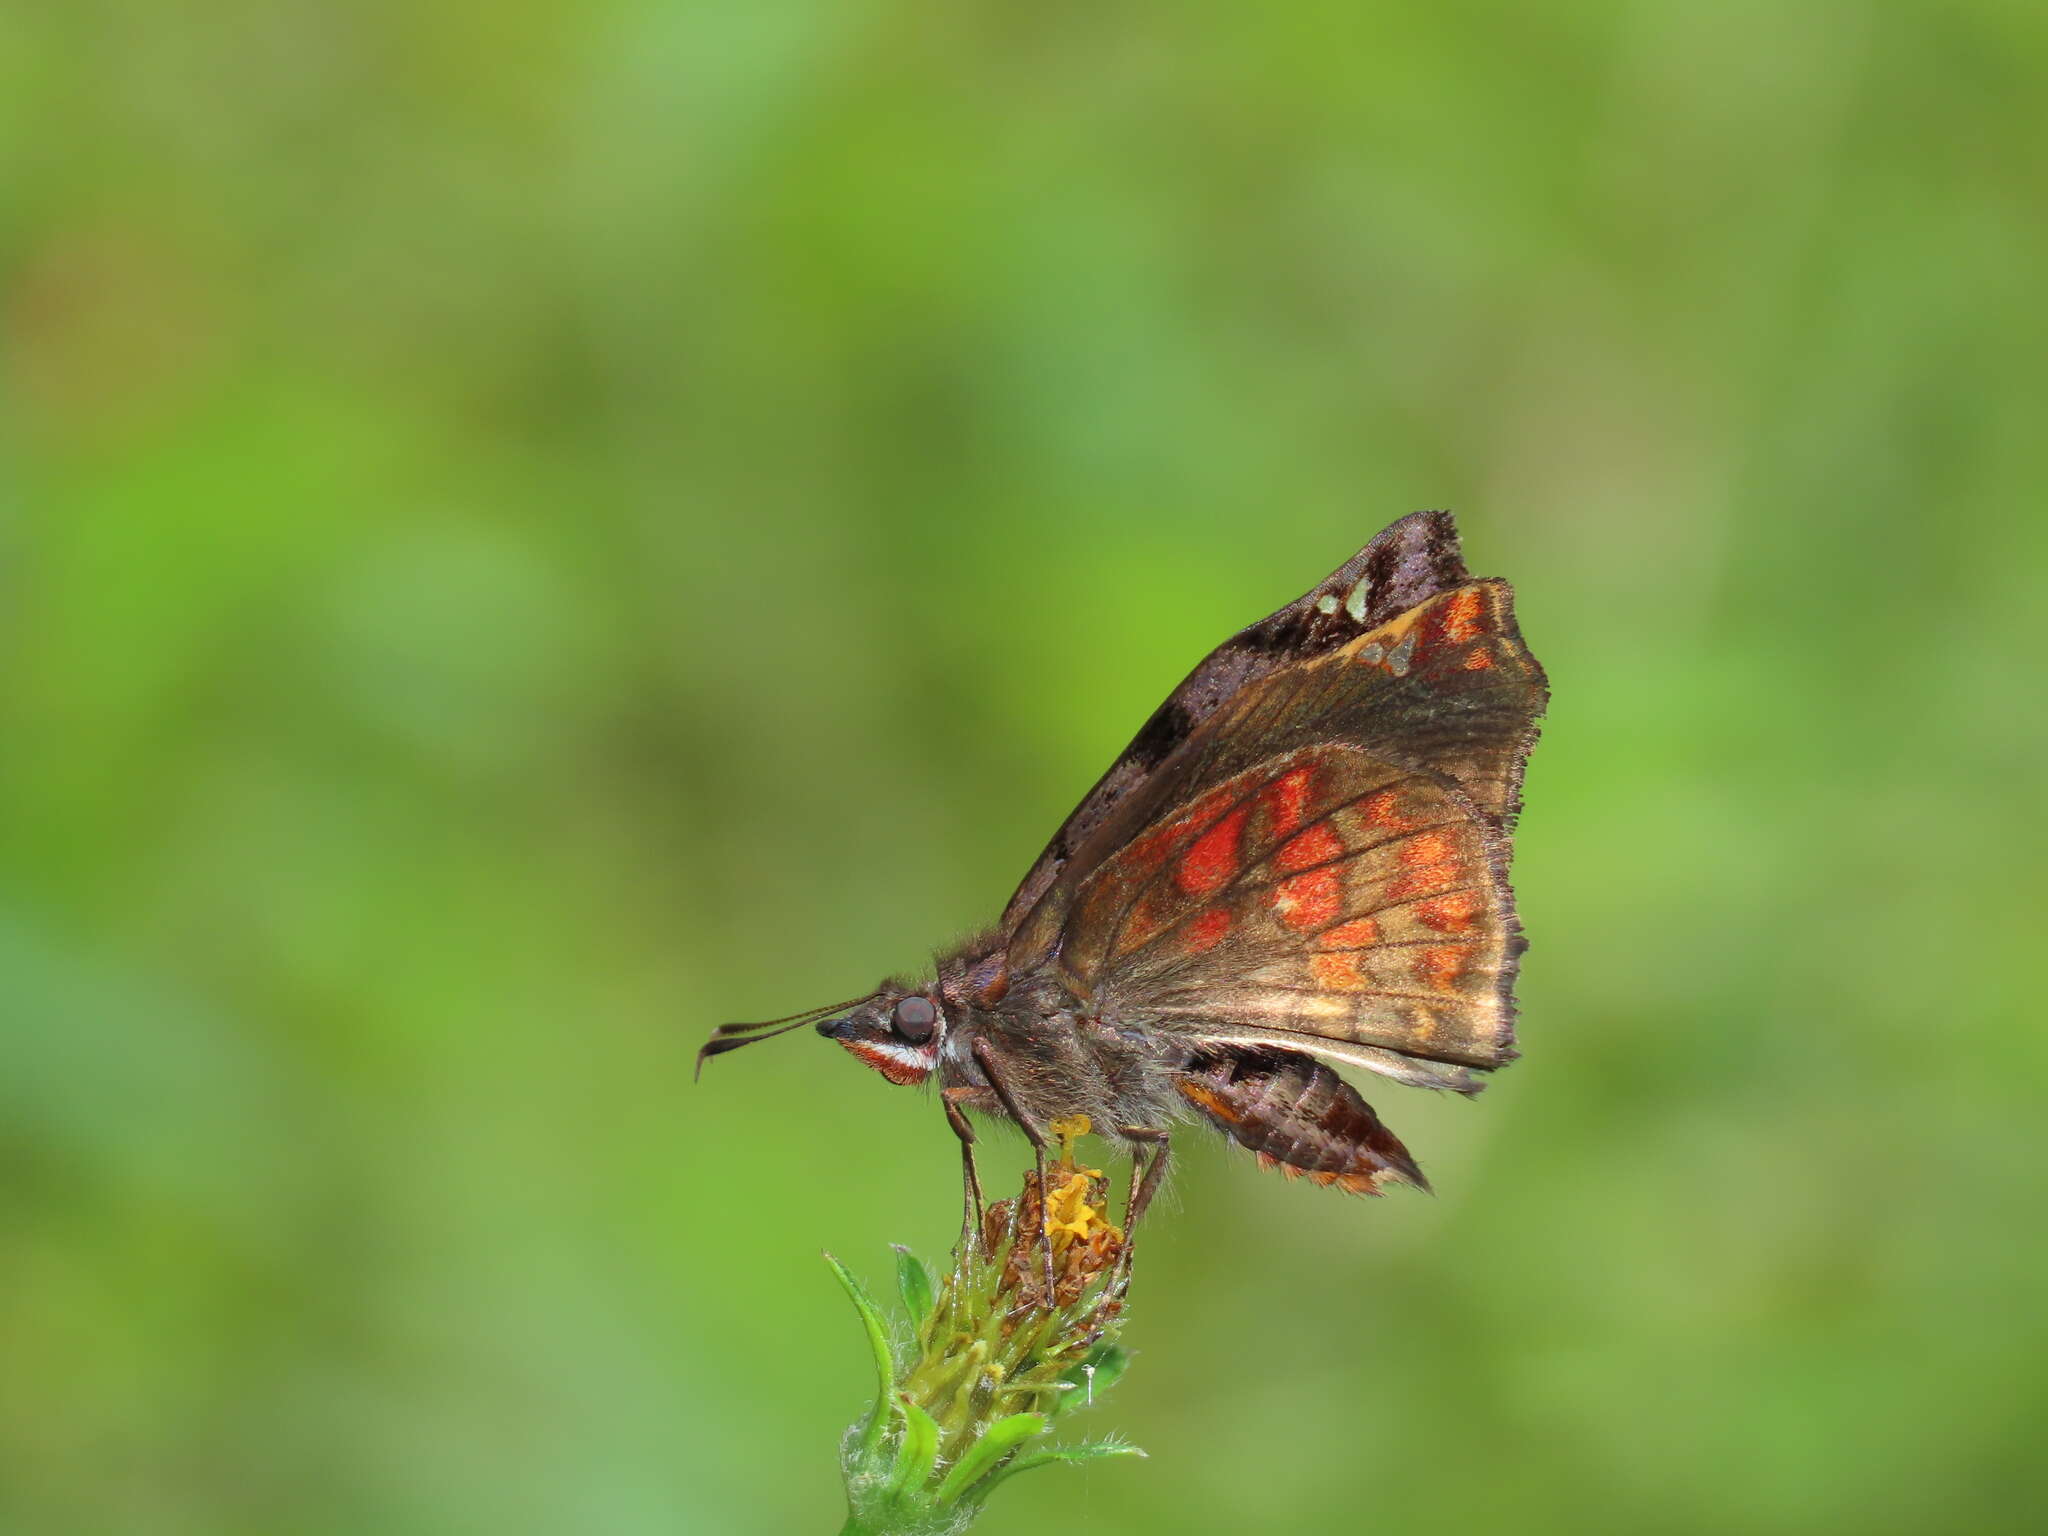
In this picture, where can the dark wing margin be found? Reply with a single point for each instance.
(1408, 563)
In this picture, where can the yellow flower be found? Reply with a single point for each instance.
(1074, 1207)
(1068, 1213)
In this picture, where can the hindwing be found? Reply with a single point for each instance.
(1323, 893)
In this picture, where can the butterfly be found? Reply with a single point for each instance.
(1299, 863)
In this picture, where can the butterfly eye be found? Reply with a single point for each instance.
(915, 1019)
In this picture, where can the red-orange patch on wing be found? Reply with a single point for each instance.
(1148, 852)
(1435, 864)
(1359, 933)
(1440, 967)
(1382, 809)
(1461, 615)
(1311, 900)
(1207, 931)
(1318, 845)
(1286, 798)
(1430, 848)
(1209, 864)
(1338, 972)
(1455, 913)
(1479, 659)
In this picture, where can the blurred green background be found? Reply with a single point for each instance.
(531, 529)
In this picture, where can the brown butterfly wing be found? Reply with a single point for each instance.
(1322, 864)
(1323, 894)
(1408, 562)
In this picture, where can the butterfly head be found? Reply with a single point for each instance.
(899, 1032)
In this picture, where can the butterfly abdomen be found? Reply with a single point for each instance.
(1298, 1115)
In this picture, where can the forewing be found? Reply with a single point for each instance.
(1409, 562)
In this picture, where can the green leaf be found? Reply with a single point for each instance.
(1110, 1363)
(1099, 1450)
(914, 1285)
(1001, 1438)
(919, 1450)
(885, 1364)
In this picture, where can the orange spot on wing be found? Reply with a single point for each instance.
(1359, 933)
(1430, 848)
(1441, 967)
(1338, 972)
(1207, 931)
(1480, 659)
(1455, 913)
(1209, 864)
(1311, 900)
(1149, 851)
(1434, 863)
(1382, 809)
(1318, 845)
(1461, 615)
(1286, 799)
(1423, 882)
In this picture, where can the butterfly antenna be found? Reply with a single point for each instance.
(730, 1037)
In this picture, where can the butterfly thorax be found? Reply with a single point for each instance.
(1057, 1058)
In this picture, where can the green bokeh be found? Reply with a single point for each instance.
(528, 529)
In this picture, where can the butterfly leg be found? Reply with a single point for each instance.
(1142, 1188)
(971, 1205)
(986, 1060)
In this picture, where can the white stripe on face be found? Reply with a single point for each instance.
(897, 1060)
